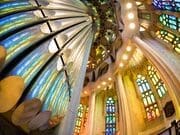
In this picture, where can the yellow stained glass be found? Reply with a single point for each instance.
(157, 112)
(81, 114)
(169, 38)
(145, 101)
(154, 81)
(152, 98)
(157, 82)
(148, 97)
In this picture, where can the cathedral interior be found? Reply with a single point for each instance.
(89, 67)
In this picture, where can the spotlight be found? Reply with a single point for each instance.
(132, 25)
(110, 79)
(129, 48)
(121, 65)
(125, 57)
(103, 83)
(129, 5)
(85, 92)
(130, 15)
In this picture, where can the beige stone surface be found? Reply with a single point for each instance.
(11, 89)
(26, 111)
(2, 55)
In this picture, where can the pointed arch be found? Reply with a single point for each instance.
(156, 81)
(148, 98)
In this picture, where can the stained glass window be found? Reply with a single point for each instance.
(81, 118)
(169, 38)
(171, 5)
(157, 82)
(110, 116)
(146, 16)
(148, 98)
(170, 21)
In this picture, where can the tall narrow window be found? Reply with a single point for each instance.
(157, 82)
(81, 118)
(169, 38)
(149, 100)
(170, 21)
(171, 5)
(110, 116)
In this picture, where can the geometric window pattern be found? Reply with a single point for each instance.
(149, 101)
(169, 38)
(157, 82)
(110, 116)
(171, 5)
(170, 21)
(82, 113)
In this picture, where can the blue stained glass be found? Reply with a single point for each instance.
(141, 88)
(58, 99)
(173, 5)
(49, 97)
(147, 85)
(14, 4)
(144, 87)
(172, 17)
(44, 79)
(40, 84)
(32, 64)
(169, 21)
(110, 116)
(36, 61)
(10, 7)
(63, 99)
(16, 21)
(21, 41)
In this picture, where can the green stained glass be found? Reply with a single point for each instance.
(81, 116)
(159, 93)
(147, 95)
(169, 38)
(170, 21)
(157, 82)
(110, 116)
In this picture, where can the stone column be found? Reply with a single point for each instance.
(90, 118)
(66, 127)
(124, 112)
